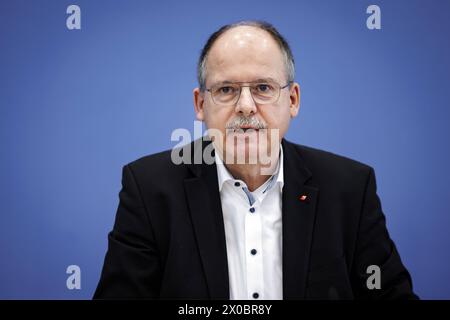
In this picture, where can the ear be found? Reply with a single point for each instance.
(294, 96)
(199, 99)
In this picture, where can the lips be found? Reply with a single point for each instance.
(249, 128)
(244, 129)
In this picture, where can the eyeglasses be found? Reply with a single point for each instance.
(226, 94)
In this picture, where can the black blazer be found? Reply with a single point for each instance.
(168, 239)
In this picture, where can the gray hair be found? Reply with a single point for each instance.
(282, 43)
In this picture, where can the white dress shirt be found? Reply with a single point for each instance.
(253, 232)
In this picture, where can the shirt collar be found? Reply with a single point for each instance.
(224, 175)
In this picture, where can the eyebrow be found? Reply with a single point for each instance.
(269, 79)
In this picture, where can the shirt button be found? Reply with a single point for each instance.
(237, 184)
(252, 210)
(256, 295)
(253, 252)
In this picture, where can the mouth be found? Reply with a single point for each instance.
(249, 129)
(244, 129)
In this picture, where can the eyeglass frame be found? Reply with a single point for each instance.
(240, 91)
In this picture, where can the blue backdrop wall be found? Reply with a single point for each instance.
(76, 105)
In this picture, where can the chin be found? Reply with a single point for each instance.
(244, 148)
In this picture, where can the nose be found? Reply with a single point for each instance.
(246, 105)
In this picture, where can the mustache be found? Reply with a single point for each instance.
(239, 122)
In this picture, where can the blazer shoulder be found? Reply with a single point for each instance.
(157, 167)
(151, 160)
(328, 165)
(331, 158)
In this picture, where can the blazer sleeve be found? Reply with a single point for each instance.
(375, 247)
(132, 266)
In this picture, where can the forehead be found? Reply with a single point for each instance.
(245, 54)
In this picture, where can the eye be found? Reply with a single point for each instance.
(226, 90)
(263, 87)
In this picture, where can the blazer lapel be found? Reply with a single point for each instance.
(203, 198)
(298, 214)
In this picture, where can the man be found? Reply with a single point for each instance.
(306, 224)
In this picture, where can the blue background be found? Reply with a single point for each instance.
(77, 105)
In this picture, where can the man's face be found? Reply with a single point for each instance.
(246, 55)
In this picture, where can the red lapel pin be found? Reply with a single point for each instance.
(303, 197)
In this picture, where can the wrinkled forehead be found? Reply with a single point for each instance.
(245, 54)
